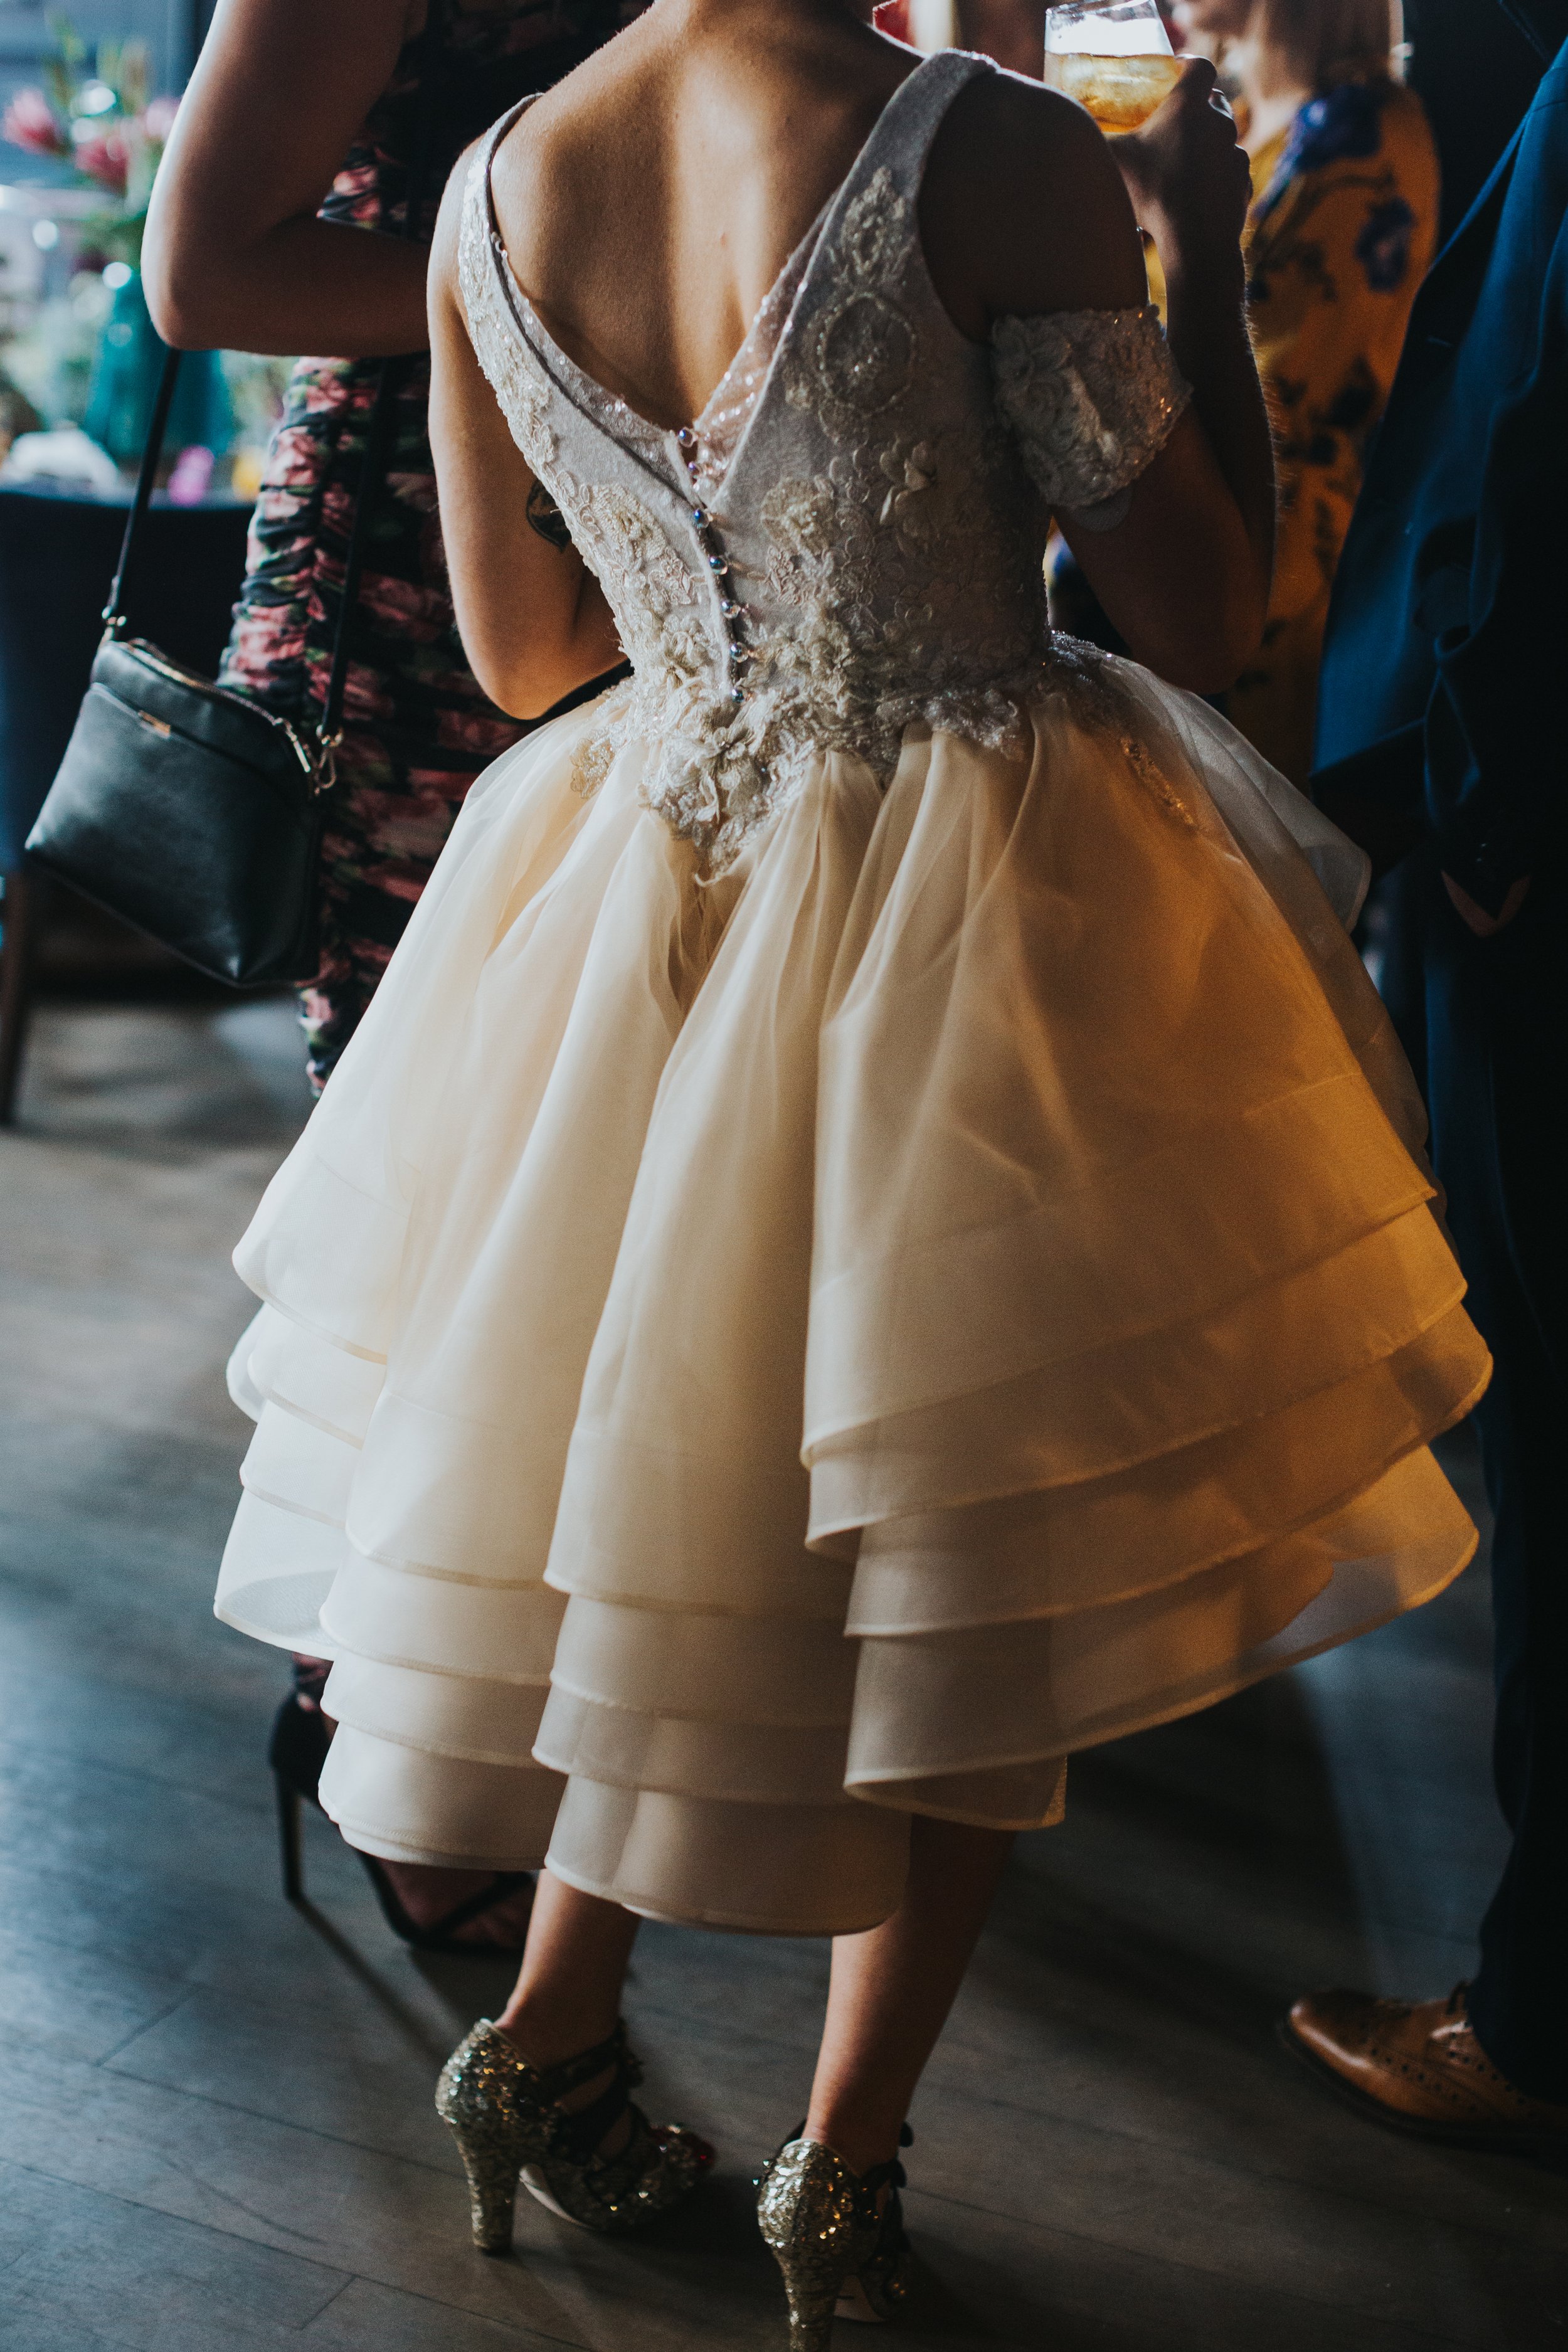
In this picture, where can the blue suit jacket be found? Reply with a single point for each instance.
(1446, 659)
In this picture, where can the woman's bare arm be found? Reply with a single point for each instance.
(533, 617)
(1026, 213)
(234, 254)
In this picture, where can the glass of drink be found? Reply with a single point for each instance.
(1113, 56)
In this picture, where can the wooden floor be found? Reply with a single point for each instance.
(215, 2128)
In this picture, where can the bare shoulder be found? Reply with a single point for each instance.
(657, 141)
(1023, 209)
(558, 137)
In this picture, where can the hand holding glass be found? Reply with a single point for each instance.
(1114, 56)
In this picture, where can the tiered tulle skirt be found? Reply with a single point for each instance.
(746, 1361)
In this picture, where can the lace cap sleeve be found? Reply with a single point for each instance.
(1092, 397)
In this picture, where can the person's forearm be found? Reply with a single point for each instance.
(1206, 325)
(323, 287)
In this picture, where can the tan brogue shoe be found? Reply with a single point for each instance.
(1417, 2066)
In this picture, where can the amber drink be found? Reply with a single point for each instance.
(1113, 56)
(1120, 92)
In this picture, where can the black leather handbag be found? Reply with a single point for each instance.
(188, 811)
(192, 811)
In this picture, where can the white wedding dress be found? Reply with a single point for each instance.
(874, 1233)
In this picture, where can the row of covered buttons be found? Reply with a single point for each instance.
(718, 563)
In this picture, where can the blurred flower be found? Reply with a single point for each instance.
(105, 156)
(191, 478)
(95, 112)
(30, 121)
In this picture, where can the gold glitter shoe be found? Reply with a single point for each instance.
(841, 2256)
(508, 2124)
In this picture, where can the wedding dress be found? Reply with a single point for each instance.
(875, 1233)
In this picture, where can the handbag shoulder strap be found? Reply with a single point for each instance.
(329, 726)
(113, 614)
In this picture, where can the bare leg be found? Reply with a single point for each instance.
(568, 1991)
(891, 1990)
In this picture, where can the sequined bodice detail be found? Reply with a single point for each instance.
(848, 540)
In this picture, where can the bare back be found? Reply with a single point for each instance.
(651, 200)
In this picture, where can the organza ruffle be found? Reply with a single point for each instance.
(747, 1361)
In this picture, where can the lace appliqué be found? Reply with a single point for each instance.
(595, 755)
(858, 354)
(624, 544)
(1092, 396)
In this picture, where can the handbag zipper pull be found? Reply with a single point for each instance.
(324, 766)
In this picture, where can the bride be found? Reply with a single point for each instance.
(874, 1233)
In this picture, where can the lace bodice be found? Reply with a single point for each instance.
(848, 540)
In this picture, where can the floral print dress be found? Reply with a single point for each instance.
(1342, 229)
(417, 727)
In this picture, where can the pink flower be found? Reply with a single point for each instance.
(104, 158)
(191, 478)
(30, 122)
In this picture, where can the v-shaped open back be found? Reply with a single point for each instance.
(718, 430)
(846, 540)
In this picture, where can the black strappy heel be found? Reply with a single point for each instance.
(296, 1753)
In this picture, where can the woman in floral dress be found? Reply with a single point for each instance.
(1341, 231)
(417, 727)
(295, 140)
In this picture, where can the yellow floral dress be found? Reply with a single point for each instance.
(1342, 229)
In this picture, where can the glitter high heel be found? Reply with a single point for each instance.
(508, 2124)
(841, 2255)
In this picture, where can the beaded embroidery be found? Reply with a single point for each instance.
(820, 574)
(1093, 396)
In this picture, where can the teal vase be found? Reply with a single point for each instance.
(124, 385)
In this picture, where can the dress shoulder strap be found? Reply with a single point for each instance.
(910, 122)
(895, 154)
(866, 308)
(496, 325)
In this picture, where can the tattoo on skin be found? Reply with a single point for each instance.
(546, 518)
